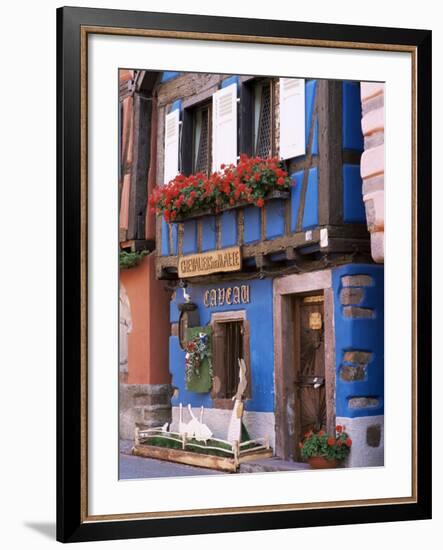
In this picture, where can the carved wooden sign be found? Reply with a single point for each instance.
(226, 296)
(215, 261)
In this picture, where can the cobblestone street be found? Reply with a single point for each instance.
(135, 467)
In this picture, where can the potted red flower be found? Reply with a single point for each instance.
(322, 450)
(252, 181)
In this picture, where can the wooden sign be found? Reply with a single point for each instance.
(315, 320)
(215, 261)
(226, 296)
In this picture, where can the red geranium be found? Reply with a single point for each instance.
(348, 442)
(248, 182)
(339, 429)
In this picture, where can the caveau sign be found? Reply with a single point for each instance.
(226, 296)
(216, 261)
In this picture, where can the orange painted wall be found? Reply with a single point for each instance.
(148, 342)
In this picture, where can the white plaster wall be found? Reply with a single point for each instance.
(258, 424)
(362, 454)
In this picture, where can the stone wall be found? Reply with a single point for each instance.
(373, 164)
(143, 406)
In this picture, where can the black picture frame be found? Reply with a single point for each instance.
(72, 522)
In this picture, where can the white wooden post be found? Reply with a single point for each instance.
(137, 436)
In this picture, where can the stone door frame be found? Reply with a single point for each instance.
(284, 291)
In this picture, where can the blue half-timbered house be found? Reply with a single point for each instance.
(302, 303)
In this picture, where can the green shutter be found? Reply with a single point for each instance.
(203, 382)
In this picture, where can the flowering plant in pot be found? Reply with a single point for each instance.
(323, 450)
(251, 181)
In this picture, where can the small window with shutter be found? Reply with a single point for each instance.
(292, 117)
(230, 343)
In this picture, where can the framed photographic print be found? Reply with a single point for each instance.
(244, 274)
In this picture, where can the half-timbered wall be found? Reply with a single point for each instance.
(325, 211)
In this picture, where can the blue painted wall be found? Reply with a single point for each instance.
(209, 240)
(252, 219)
(352, 134)
(190, 237)
(353, 204)
(231, 80)
(275, 219)
(363, 335)
(310, 93)
(165, 238)
(228, 224)
(169, 75)
(259, 315)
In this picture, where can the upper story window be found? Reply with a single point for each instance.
(202, 139)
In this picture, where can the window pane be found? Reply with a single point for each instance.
(232, 353)
(201, 141)
(263, 120)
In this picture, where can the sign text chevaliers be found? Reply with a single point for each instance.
(215, 261)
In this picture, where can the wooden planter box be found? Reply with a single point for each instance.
(199, 459)
(274, 195)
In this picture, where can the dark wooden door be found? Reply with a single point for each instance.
(310, 367)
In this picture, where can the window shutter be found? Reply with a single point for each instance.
(224, 127)
(292, 117)
(217, 357)
(171, 145)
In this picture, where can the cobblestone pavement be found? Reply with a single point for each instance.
(136, 467)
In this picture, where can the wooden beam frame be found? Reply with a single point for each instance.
(330, 178)
(141, 159)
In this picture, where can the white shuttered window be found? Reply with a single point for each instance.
(292, 117)
(171, 145)
(224, 127)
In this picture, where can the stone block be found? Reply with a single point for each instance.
(373, 121)
(352, 374)
(357, 356)
(370, 185)
(372, 162)
(372, 103)
(378, 246)
(371, 89)
(354, 312)
(363, 402)
(357, 280)
(374, 140)
(375, 210)
(351, 296)
(373, 435)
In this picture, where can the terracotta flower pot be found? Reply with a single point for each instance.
(321, 462)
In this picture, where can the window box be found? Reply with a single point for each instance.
(273, 195)
(251, 181)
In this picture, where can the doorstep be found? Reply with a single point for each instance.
(272, 465)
